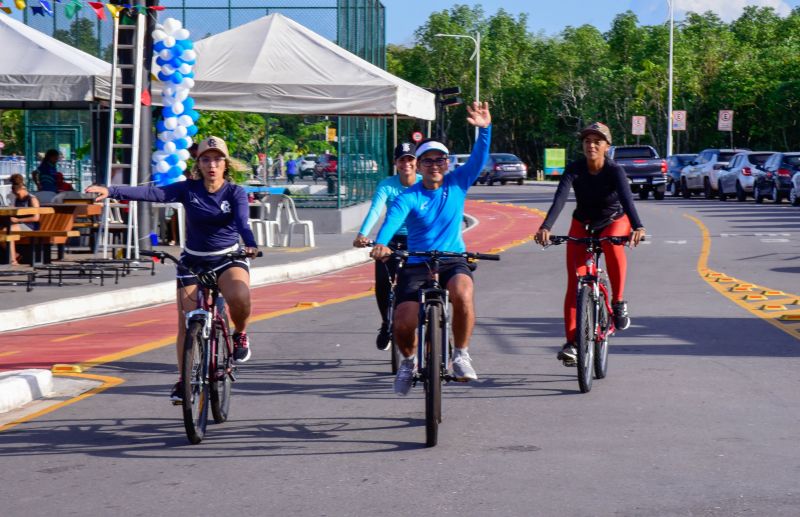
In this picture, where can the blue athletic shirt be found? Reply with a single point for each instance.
(385, 194)
(434, 217)
(214, 221)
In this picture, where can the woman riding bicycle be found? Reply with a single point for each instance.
(604, 203)
(216, 214)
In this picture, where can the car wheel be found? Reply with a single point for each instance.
(644, 194)
(757, 195)
(490, 182)
(685, 192)
(776, 196)
(741, 195)
(674, 189)
(793, 198)
(722, 195)
(502, 182)
(658, 195)
(519, 181)
(707, 192)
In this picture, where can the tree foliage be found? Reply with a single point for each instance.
(542, 89)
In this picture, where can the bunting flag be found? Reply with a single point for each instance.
(21, 5)
(115, 9)
(37, 9)
(46, 7)
(98, 10)
(5, 9)
(71, 8)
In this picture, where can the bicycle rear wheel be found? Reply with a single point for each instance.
(601, 345)
(433, 373)
(585, 338)
(221, 380)
(195, 385)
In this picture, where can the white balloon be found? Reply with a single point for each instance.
(188, 82)
(158, 156)
(179, 132)
(169, 147)
(171, 123)
(171, 25)
(177, 108)
(182, 165)
(185, 120)
(162, 166)
(183, 154)
(168, 69)
(181, 34)
(159, 34)
(185, 69)
(165, 54)
(169, 42)
(182, 95)
(189, 55)
(181, 178)
(164, 136)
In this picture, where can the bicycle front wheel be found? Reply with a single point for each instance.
(433, 373)
(585, 338)
(221, 380)
(195, 385)
(601, 345)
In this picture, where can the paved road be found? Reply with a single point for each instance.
(698, 416)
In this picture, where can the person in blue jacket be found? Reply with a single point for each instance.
(216, 217)
(405, 162)
(433, 211)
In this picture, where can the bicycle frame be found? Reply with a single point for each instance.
(433, 294)
(589, 275)
(210, 311)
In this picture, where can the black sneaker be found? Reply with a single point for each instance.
(177, 393)
(383, 341)
(241, 347)
(621, 318)
(568, 354)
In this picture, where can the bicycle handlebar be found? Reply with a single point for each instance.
(618, 240)
(469, 255)
(163, 255)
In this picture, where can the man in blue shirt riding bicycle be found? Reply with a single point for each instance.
(433, 211)
(405, 162)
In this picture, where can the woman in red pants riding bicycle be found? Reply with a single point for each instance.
(604, 200)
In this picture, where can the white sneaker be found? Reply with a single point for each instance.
(405, 376)
(462, 367)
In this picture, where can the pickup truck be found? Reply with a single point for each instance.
(645, 170)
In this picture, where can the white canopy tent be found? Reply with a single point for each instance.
(275, 65)
(38, 71)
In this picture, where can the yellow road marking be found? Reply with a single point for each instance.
(772, 313)
(108, 382)
(141, 323)
(12, 352)
(67, 338)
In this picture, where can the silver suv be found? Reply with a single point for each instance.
(702, 174)
(737, 178)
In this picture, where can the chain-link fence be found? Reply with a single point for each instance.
(356, 25)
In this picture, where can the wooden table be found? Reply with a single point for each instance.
(7, 212)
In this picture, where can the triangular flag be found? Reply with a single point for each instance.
(141, 9)
(5, 9)
(71, 9)
(157, 8)
(21, 5)
(46, 6)
(114, 10)
(146, 100)
(98, 10)
(37, 9)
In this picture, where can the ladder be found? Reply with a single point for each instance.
(128, 62)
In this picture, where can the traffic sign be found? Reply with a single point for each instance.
(725, 120)
(416, 136)
(679, 120)
(638, 123)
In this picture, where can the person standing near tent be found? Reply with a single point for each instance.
(291, 171)
(45, 174)
(278, 171)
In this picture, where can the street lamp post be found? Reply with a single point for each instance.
(669, 94)
(477, 55)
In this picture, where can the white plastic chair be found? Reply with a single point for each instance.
(264, 227)
(293, 222)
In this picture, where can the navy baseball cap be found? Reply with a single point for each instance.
(405, 149)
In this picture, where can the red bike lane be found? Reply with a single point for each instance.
(103, 339)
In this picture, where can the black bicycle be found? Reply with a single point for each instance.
(593, 310)
(434, 335)
(208, 370)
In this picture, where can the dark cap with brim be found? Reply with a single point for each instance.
(597, 128)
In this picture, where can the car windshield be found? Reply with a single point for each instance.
(505, 158)
(759, 159)
(633, 152)
(793, 160)
(725, 157)
(685, 160)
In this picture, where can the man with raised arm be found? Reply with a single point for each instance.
(433, 211)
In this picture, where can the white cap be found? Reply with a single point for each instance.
(431, 145)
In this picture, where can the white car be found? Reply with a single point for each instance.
(738, 177)
(794, 193)
(702, 174)
(457, 160)
(307, 163)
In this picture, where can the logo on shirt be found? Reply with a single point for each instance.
(225, 207)
(424, 205)
(194, 200)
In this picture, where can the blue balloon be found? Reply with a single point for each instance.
(191, 130)
(181, 143)
(172, 159)
(160, 127)
(177, 77)
(174, 172)
(158, 46)
(176, 62)
(159, 145)
(188, 104)
(190, 74)
(193, 115)
(161, 62)
(158, 178)
(167, 113)
(164, 77)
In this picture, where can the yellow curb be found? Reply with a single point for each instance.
(725, 280)
(754, 297)
(739, 289)
(773, 308)
(307, 304)
(773, 293)
(66, 368)
(749, 286)
(714, 275)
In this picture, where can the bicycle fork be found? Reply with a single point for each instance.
(445, 330)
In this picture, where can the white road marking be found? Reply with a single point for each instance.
(767, 241)
(675, 242)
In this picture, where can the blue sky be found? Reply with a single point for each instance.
(403, 17)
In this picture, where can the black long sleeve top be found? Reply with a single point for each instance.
(602, 196)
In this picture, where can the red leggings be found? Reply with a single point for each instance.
(615, 261)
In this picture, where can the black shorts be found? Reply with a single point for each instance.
(414, 276)
(217, 263)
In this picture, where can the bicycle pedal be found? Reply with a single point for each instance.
(177, 402)
(570, 364)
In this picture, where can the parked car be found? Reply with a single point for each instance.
(775, 180)
(327, 164)
(457, 160)
(307, 164)
(736, 179)
(675, 163)
(701, 175)
(502, 168)
(646, 172)
(794, 193)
